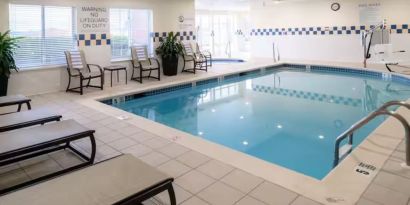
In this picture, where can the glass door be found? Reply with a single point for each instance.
(223, 34)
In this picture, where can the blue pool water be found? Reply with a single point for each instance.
(288, 117)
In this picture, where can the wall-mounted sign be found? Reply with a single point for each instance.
(186, 22)
(93, 25)
(93, 19)
(370, 14)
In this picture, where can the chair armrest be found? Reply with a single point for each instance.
(154, 59)
(95, 65)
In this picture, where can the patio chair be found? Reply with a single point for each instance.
(77, 67)
(199, 61)
(23, 119)
(123, 180)
(207, 54)
(31, 142)
(142, 62)
(18, 100)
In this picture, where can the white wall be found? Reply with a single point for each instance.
(344, 48)
(31, 82)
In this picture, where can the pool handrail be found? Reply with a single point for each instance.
(383, 110)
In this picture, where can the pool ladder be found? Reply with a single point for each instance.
(342, 152)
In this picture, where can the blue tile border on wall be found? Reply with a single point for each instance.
(325, 30)
(181, 35)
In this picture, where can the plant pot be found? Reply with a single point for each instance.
(4, 80)
(170, 65)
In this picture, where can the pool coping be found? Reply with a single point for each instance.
(341, 186)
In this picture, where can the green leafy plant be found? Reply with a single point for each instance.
(8, 45)
(169, 48)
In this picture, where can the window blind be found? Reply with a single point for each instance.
(129, 27)
(46, 33)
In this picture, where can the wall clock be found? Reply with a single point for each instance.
(335, 6)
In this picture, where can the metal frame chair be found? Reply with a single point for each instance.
(207, 54)
(141, 60)
(198, 59)
(77, 67)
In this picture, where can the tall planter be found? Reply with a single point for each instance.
(170, 65)
(7, 63)
(4, 80)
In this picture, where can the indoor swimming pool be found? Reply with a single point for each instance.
(289, 116)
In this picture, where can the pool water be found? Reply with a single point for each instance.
(289, 117)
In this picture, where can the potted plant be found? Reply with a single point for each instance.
(7, 63)
(169, 50)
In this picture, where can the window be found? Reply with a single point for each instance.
(46, 33)
(129, 27)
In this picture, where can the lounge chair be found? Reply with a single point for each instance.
(199, 61)
(27, 118)
(15, 100)
(23, 144)
(123, 180)
(207, 54)
(142, 62)
(77, 67)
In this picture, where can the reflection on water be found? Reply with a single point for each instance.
(290, 118)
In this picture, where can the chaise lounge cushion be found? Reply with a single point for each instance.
(13, 100)
(27, 118)
(104, 183)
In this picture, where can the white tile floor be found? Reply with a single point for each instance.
(198, 178)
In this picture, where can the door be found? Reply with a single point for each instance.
(222, 34)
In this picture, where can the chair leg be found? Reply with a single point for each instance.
(159, 74)
(133, 71)
(172, 197)
(102, 82)
(183, 67)
(88, 83)
(141, 75)
(69, 83)
(81, 86)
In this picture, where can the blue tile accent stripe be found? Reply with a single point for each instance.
(319, 97)
(169, 89)
(347, 71)
(182, 36)
(209, 81)
(93, 39)
(328, 30)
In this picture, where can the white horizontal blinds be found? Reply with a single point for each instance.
(47, 32)
(26, 22)
(129, 27)
(59, 34)
(120, 32)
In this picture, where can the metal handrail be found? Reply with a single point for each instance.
(228, 50)
(381, 111)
